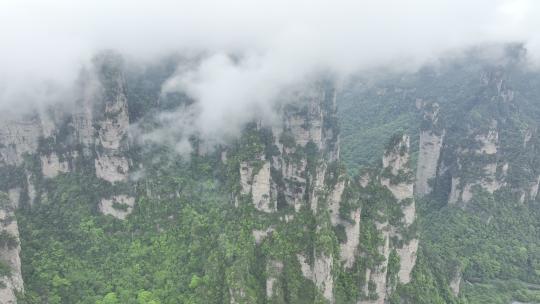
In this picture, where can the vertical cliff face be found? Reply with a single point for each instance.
(11, 281)
(38, 146)
(295, 177)
(478, 160)
(111, 124)
(487, 153)
(19, 139)
(430, 144)
(394, 254)
(286, 175)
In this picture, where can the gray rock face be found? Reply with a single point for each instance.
(396, 177)
(51, 165)
(111, 163)
(259, 185)
(52, 137)
(483, 156)
(348, 248)
(320, 273)
(455, 283)
(260, 235)
(304, 144)
(428, 159)
(487, 179)
(431, 141)
(10, 252)
(273, 270)
(119, 206)
(378, 274)
(303, 128)
(18, 137)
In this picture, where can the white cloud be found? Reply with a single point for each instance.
(280, 42)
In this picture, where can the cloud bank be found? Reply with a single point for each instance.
(279, 43)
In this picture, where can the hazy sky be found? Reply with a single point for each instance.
(45, 42)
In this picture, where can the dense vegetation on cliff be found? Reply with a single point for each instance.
(276, 216)
(488, 244)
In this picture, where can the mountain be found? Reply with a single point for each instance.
(427, 194)
(475, 127)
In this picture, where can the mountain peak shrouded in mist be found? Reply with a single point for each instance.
(269, 152)
(44, 44)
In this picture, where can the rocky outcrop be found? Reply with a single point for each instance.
(51, 165)
(260, 190)
(431, 140)
(273, 271)
(260, 235)
(289, 174)
(119, 206)
(11, 281)
(112, 124)
(396, 178)
(407, 257)
(486, 178)
(306, 133)
(348, 248)
(55, 140)
(112, 168)
(320, 273)
(378, 274)
(490, 154)
(455, 283)
(18, 137)
(401, 186)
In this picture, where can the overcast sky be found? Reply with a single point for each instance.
(47, 41)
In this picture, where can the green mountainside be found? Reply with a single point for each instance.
(476, 125)
(410, 188)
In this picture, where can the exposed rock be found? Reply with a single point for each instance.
(322, 276)
(407, 257)
(320, 273)
(400, 191)
(236, 295)
(352, 229)
(396, 178)
(51, 165)
(307, 272)
(428, 159)
(10, 253)
(318, 187)
(488, 180)
(260, 235)
(489, 142)
(455, 193)
(534, 189)
(18, 137)
(455, 283)
(113, 128)
(119, 206)
(377, 275)
(259, 185)
(246, 175)
(466, 194)
(349, 248)
(307, 125)
(112, 168)
(14, 195)
(32, 194)
(333, 202)
(273, 270)
(260, 190)
(431, 142)
(364, 180)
